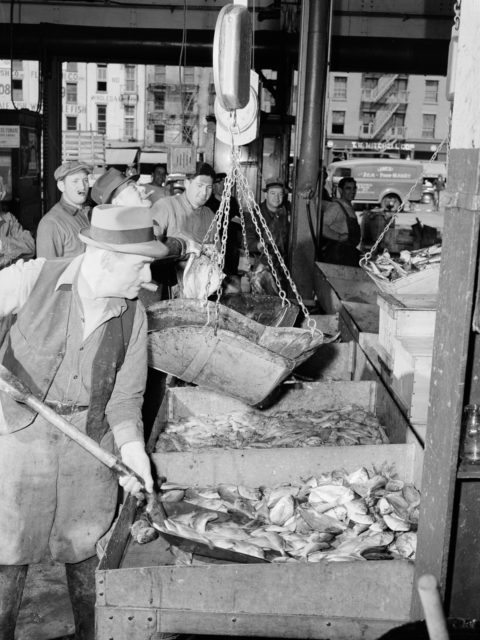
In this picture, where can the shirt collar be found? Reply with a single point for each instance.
(70, 208)
(69, 277)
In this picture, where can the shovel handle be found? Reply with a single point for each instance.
(112, 461)
(432, 607)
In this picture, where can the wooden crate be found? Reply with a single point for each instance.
(410, 315)
(425, 281)
(140, 594)
(336, 283)
(411, 372)
(184, 402)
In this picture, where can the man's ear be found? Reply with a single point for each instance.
(61, 185)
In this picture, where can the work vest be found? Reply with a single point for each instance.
(36, 347)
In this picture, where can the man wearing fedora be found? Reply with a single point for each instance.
(114, 187)
(79, 343)
(57, 233)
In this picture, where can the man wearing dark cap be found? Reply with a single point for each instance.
(57, 233)
(57, 499)
(275, 212)
(187, 213)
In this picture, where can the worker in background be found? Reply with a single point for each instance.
(275, 212)
(57, 233)
(15, 242)
(341, 233)
(157, 185)
(187, 213)
(57, 499)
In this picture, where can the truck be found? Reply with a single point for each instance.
(383, 182)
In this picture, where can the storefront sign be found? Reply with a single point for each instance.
(181, 159)
(382, 146)
(9, 136)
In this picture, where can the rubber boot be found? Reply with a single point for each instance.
(81, 587)
(12, 582)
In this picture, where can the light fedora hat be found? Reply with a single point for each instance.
(124, 230)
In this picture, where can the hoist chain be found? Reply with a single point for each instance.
(220, 224)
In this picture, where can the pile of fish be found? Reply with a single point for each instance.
(338, 516)
(350, 425)
(408, 262)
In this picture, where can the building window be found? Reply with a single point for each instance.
(71, 123)
(72, 92)
(189, 99)
(17, 89)
(129, 121)
(368, 121)
(369, 82)
(431, 91)
(188, 132)
(102, 118)
(428, 126)
(72, 67)
(130, 77)
(101, 78)
(339, 88)
(159, 74)
(159, 133)
(159, 100)
(338, 122)
(189, 75)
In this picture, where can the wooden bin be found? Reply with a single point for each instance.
(139, 595)
(405, 316)
(335, 283)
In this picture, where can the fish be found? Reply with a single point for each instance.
(282, 510)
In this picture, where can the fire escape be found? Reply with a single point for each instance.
(384, 101)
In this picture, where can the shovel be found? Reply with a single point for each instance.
(11, 385)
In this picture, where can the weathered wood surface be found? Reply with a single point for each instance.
(335, 284)
(357, 318)
(266, 600)
(450, 353)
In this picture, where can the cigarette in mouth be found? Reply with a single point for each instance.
(149, 286)
(148, 194)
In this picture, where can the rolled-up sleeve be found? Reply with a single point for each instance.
(16, 284)
(124, 409)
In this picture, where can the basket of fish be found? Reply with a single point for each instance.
(223, 350)
(412, 272)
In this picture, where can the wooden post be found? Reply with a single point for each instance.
(52, 126)
(453, 336)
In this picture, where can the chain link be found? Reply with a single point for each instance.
(456, 19)
(219, 227)
(368, 255)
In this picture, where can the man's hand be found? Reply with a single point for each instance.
(134, 456)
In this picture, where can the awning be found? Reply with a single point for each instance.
(121, 156)
(153, 157)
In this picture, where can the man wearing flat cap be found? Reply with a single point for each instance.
(276, 214)
(57, 233)
(79, 343)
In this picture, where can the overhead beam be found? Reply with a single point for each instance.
(162, 46)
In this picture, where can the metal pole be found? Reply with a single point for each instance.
(312, 86)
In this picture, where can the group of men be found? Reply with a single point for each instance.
(79, 343)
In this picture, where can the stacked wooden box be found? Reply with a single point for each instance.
(405, 343)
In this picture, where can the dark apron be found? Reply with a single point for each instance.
(336, 252)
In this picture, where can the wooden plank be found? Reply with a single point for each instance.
(452, 332)
(319, 589)
(112, 557)
(136, 624)
(357, 318)
(274, 466)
